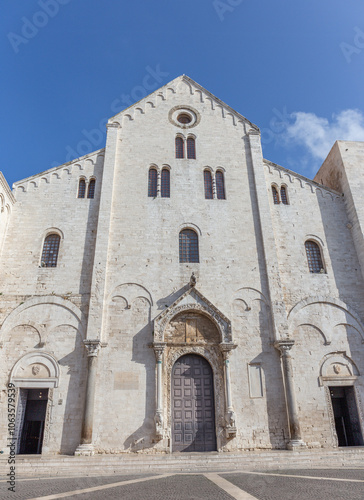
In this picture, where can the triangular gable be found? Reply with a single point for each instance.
(172, 87)
(193, 300)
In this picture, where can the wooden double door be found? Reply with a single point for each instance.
(193, 405)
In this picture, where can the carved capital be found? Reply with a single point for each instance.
(158, 350)
(93, 347)
(226, 348)
(284, 346)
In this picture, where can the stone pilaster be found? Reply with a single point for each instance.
(284, 347)
(86, 446)
(230, 420)
(158, 418)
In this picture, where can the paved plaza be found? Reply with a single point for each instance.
(314, 484)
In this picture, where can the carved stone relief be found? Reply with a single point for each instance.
(191, 327)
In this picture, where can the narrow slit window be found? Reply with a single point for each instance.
(191, 148)
(152, 182)
(179, 147)
(314, 258)
(220, 185)
(275, 196)
(50, 251)
(91, 189)
(208, 185)
(165, 183)
(188, 246)
(81, 188)
(284, 198)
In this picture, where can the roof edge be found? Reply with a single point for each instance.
(306, 179)
(44, 172)
(200, 87)
(6, 187)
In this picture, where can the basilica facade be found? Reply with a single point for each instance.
(176, 292)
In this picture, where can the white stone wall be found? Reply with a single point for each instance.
(119, 268)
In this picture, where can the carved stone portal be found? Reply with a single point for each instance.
(192, 324)
(191, 327)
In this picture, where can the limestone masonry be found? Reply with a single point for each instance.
(176, 292)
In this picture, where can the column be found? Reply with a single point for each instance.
(284, 346)
(86, 447)
(158, 418)
(230, 424)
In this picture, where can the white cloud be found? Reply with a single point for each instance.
(317, 135)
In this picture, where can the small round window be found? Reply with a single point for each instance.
(184, 118)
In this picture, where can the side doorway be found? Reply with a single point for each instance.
(31, 415)
(346, 415)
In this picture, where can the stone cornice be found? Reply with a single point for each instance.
(60, 167)
(300, 177)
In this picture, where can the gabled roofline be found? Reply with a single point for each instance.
(44, 172)
(306, 179)
(6, 187)
(200, 87)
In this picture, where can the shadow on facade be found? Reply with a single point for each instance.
(269, 358)
(76, 363)
(142, 354)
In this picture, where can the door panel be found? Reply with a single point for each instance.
(193, 416)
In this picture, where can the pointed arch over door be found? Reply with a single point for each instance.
(193, 405)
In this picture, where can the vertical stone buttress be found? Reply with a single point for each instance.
(97, 308)
(278, 310)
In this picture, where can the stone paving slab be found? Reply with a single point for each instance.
(47, 486)
(268, 487)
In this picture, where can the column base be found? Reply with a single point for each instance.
(296, 444)
(85, 450)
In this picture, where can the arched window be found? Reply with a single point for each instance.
(220, 185)
(275, 195)
(314, 259)
(165, 183)
(284, 198)
(191, 148)
(81, 188)
(152, 182)
(207, 177)
(188, 246)
(91, 189)
(179, 147)
(50, 250)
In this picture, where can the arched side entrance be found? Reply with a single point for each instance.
(193, 405)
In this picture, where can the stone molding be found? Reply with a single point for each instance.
(201, 305)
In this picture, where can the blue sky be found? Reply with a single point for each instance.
(295, 69)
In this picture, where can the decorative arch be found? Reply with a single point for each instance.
(344, 313)
(193, 301)
(15, 319)
(338, 368)
(129, 292)
(36, 369)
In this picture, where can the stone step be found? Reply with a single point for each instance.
(58, 465)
